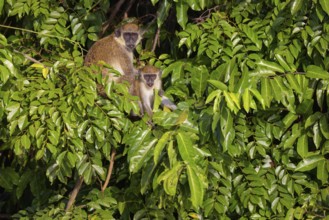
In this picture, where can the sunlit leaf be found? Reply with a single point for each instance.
(296, 6)
(160, 145)
(181, 13)
(185, 147)
(309, 163)
(141, 155)
(302, 145)
(196, 186)
(316, 72)
(325, 5)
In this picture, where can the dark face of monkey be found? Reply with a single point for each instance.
(149, 79)
(130, 39)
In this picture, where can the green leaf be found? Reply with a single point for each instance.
(23, 183)
(141, 155)
(181, 13)
(296, 6)
(271, 66)
(258, 97)
(325, 5)
(52, 172)
(218, 85)
(160, 145)
(283, 62)
(196, 186)
(22, 122)
(53, 137)
(154, 1)
(90, 135)
(316, 72)
(294, 83)
(171, 179)
(324, 126)
(302, 146)
(100, 136)
(100, 171)
(87, 174)
(252, 35)
(71, 158)
(185, 147)
(312, 119)
(199, 78)
(26, 143)
(322, 171)
(1, 5)
(266, 91)
(4, 72)
(309, 163)
(289, 142)
(232, 101)
(228, 132)
(163, 12)
(246, 98)
(13, 109)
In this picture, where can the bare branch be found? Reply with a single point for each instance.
(28, 57)
(74, 194)
(156, 39)
(112, 16)
(109, 172)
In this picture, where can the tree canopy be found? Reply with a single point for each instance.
(249, 140)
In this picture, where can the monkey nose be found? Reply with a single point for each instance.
(131, 47)
(150, 84)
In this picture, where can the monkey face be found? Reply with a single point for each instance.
(149, 79)
(130, 40)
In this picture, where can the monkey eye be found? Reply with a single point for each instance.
(130, 36)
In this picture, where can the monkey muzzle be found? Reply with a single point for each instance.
(130, 47)
(150, 84)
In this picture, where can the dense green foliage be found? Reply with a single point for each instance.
(249, 140)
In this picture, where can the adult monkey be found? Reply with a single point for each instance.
(116, 50)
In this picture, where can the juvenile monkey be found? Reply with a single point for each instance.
(116, 50)
(150, 79)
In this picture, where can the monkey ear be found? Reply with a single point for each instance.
(117, 32)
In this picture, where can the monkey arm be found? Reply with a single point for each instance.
(166, 102)
(161, 93)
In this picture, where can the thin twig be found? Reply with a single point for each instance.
(112, 16)
(156, 39)
(74, 194)
(131, 2)
(109, 172)
(206, 14)
(44, 34)
(28, 57)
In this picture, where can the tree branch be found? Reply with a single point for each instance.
(156, 39)
(131, 2)
(74, 194)
(109, 172)
(112, 16)
(28, 57)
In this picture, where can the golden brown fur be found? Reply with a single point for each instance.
(113, 51)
